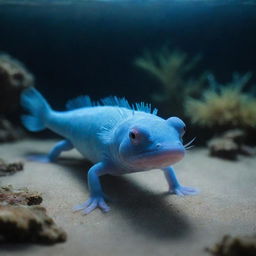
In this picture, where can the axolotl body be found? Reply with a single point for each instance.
(117, 137)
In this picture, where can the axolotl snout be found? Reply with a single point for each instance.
(114, 135)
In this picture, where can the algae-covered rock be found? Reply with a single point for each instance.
(7, 169)
(22, 221)
(28, 224)
(235, 246)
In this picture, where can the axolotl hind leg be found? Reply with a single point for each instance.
(174, 186)
(96, 199)
(52, 156)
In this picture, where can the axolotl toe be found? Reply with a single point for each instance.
(117, 137)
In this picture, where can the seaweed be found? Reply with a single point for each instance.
(173, 70)
(224, 105)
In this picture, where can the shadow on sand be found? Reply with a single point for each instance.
(146, 212)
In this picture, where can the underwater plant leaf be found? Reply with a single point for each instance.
(240, 81)
(191, 65)
(147, 63)
(172, 69)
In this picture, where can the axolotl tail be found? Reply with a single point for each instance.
(38, 108)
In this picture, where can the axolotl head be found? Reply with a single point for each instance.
(147, 143)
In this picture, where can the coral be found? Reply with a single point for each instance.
(7, 169)
(235, 246)
(14, 77)
(173, 70)
(22, 221)
(224, 105)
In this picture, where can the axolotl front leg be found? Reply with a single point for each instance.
(96, 198)
(174, 186)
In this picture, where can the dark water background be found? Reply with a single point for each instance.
(90, 48)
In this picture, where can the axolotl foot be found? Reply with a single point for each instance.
(183, 191)
(91, 204)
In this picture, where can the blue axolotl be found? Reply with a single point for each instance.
(117, 137)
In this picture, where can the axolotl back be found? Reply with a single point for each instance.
(114, 135)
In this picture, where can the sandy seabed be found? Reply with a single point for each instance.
(143, 220)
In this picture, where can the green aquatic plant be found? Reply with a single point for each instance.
(226, 105)
(173, 70)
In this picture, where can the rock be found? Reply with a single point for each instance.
(229, 145)
(22, 221)
(8, 132)
(7, 169)
(11, 196)
(28, 224)
(247, 150)
(14, 77)
(224, 148)
(236, 135)
(235, 246)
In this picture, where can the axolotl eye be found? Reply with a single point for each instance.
(134, 136)
(137, 136)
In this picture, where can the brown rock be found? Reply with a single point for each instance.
(247, 150)
(28, 224)
(9, 132)
(7, 169)
(21, 221)
(229, 145)
(235, 246)
(224, 148)
(237, 135)
(14, 77)
(11, 196)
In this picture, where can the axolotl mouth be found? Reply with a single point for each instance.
(158, 158)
